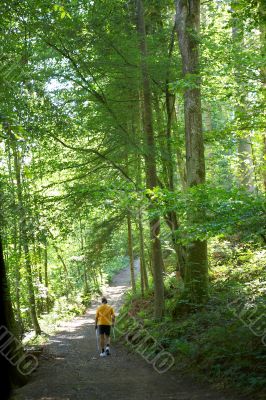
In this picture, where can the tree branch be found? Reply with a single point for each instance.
(98, 154)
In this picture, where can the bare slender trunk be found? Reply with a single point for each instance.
(17, 246)
(262, 24)
(60, 258)
(130, 252)
(143, 267)
(245, 166)
(46, 278)
(151, 172)
(161, 140)
(24, 239)
(145, 281)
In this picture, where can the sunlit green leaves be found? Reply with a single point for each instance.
(62, 11)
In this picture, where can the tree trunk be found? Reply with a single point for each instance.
(208, 118)
(262, 25)
(171, 218)
(170, 109)
(151, 172)
(17, 245)
(18, 283)
(245, 166)
(46, 278)
(144, 275)
(188, 26)
(143, 267)
(161, 140)
(10, 375)
(39, 266)
(130, 252)
(5, 381)
(60, 258)
(264, 161)
(180, 250)
(24, 240)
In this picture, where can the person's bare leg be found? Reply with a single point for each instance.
(107, 351)
(102, 342)
(107, 338)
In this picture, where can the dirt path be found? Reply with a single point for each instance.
(73, 369)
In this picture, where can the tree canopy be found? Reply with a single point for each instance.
(129, 129)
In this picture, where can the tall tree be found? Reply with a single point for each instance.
(5, 381)
(262, 27)
(188, 30)
(150, 164)
(130, 251)
(9, 343)
(246, 167)
(24, 232)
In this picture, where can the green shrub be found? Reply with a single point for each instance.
(220, 342)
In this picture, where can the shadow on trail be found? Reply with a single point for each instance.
(70, 367)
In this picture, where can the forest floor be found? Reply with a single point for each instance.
(70, 367)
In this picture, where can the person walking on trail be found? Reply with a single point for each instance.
(105, 319)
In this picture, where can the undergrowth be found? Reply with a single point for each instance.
(223, 342)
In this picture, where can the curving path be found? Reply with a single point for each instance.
(71, 369)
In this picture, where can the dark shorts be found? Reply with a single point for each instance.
(104, 329)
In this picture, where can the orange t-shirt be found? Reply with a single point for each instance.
(104, 314)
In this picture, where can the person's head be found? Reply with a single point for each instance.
(104, 300)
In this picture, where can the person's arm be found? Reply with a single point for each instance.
(96, 319)
(113, 317)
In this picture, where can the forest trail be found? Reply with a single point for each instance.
(71, 369)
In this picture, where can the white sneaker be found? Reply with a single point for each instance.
(103, 354)
(107, 351)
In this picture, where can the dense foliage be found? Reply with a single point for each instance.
(125, 135)
(224, 342)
